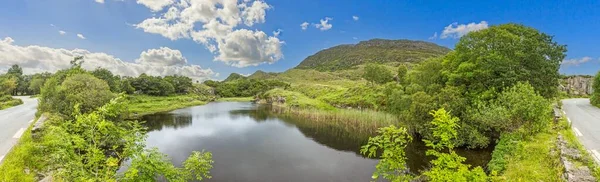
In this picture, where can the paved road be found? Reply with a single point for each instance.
(585, 120)
(14, 121)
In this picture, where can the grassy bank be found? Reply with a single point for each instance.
(140, 105)
(6, 101)
(573, 142)
(24, 155)
(520, 157)
(236, 99)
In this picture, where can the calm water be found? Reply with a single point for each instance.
(250, 144)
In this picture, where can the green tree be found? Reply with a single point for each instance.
(448, 166)
(595, 99)
(8, 84)
(85, 90)
(379, 74)
(36, 85)
(503, 55)
(392, 164)
(402, 71)
(113, 81)
(17, 72)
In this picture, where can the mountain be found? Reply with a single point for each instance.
(262, 75)
(372, 51)
(234, 76)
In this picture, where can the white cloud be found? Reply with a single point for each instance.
(243, 48)
(155, 5)
(324, 25)
(157, 62)
(277, 32)
(304, 25)
(255, 13)
(434, 36)
(52, 25)
(62, 32)
(576, 62)
(214, 24)
(355, 38)
(99, 1)
(355, 18)
(162, 57)
(80, 36)
(456, 30)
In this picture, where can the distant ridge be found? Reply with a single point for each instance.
(372, 51)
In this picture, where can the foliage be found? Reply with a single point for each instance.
(373, 51)
(83, 89)
(448, 166)
(113, 81)
(243, 87)
(36, 85)
(181, 84)
(401, 73)
(7, 84)
(140, 105)
(152, 85)
(7, 101)
(377, 74)
(500, 56)
(595, 99)
(294, 99)
(392, 165)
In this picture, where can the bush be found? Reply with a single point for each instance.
(595, 99)
(84, 90)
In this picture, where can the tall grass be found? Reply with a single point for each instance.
(7, 101)
(356, 121)
(140, 105)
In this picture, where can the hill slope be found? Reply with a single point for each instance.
(380, 51)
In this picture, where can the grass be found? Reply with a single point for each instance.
(295, 100)
(573, 142)
(6, 101)
(532, 159)
(140, 105)
(236, 99)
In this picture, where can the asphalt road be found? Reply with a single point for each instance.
(14, 121)
(585, 120)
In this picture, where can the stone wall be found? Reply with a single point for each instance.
(577, 85)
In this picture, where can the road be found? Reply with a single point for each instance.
(14, 121)
(585, 120)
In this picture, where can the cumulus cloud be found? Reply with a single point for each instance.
(100, 1)
(434, 36)
(304, 25)
(155, 5)
(576, 62)
(158, 62)
(162, 57)
(215, 24)
(355, 18)
(62, 32)
(324, 25)
(456, 30)
(80, 36)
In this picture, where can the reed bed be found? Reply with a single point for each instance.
(359, 121)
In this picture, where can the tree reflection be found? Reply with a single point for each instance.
(157, 122)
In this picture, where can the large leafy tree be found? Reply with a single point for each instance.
(501, 56)
(113, 81)
(377, 74)
(17, 72)
(595, 100)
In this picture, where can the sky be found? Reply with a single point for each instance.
(209, 39)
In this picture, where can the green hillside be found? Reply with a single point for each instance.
(391, 52)
(262, 75)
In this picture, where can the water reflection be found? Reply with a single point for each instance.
(249, 143)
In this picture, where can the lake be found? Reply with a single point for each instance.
(249, 143)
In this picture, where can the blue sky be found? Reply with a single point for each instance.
(113, 29)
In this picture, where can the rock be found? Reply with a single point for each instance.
(573, 172)
(577, 85)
